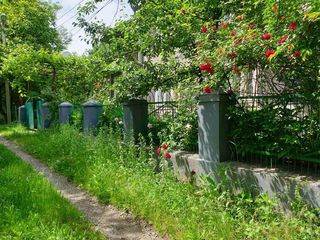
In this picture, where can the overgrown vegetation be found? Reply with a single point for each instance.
(32, 209)
(124, 176)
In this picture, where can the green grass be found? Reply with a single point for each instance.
(123, 175)
(30, 208)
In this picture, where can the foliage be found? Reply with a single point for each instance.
(32, 22)
(185, 35)
(124, 175)
(277, 37)
(31, 208)
(284, 126)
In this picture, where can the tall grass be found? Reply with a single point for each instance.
(30, 208)
(124, 175)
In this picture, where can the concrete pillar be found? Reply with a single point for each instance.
(65, 112)
(45, 115)
(22, 118)
(91, 113)
(135, 118)
(39, 114)
(29, 114)
(213, 127)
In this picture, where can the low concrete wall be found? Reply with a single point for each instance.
(274, 182)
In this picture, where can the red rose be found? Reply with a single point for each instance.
(240, 17)
(159, 150)
(251, 26)
(164, 146)
(204, 29)
(292, 26)
(282, 39)
(215, 28)
(224, 24)
(266, 36)
(235, 68)
(207, 89)
(275, 8)
(206, 67)
(233, 33)
(167, 155)
(296, 54)
(269, 53)
(233, 55)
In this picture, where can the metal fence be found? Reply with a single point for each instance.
(161, 110)
(299, 114)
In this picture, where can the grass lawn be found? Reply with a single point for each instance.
(123, 175)
(30, 208)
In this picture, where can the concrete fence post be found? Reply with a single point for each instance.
(29, 114)
(135, 118)
(213, 127)
(65, 112)
(22, 118)
(91, 113)
(39, 114)
(45, 115)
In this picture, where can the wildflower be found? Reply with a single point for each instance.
(183, 11)
(207, 89)
(158, 150)
(164, 146)
(167, 155)
(120, 122)
(204, 29)
(269, 53)
(292, 26)
(282, 39)
(266, 36)
(233, 33)
(220, 50)
(188, 126)
(251, 26)
(282, 18)
(206, 67)
(149, 126)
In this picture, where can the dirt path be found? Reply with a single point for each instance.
(114, 224)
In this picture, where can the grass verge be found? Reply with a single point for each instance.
(123, 175)
(32, 209)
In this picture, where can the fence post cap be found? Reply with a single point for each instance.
(65, 104)
(92, 103)
(136, 102)
(216, 96)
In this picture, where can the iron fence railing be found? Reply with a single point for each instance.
(162, 110)
(297, 111)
